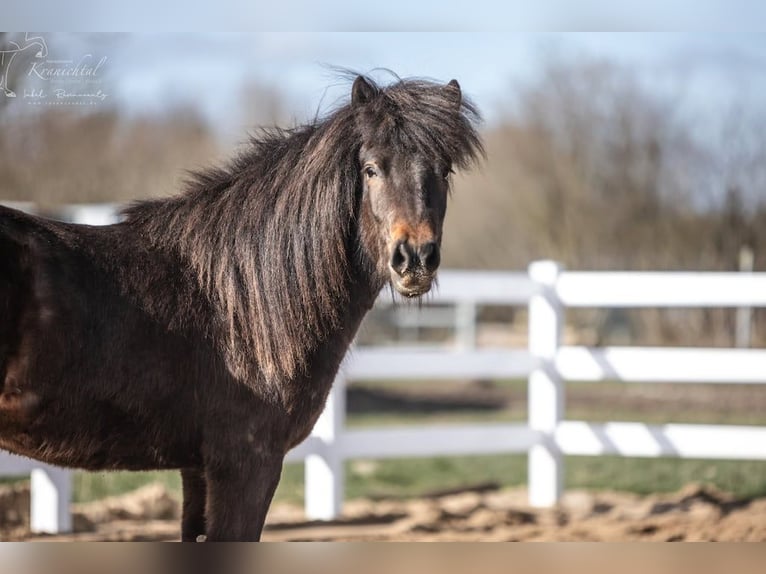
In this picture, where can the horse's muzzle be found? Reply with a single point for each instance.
(413, 267)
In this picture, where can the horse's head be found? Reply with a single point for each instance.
(413, 134)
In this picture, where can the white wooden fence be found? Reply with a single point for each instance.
(547, 436)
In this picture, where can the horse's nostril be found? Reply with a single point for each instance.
(401, 258)
(429, 255)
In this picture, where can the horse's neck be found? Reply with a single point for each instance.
(362, 297)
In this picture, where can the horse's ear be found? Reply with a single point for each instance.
(362, 91)
(455, 93)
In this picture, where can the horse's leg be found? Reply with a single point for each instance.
(239, 494)
(195, 496)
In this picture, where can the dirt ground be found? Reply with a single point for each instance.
(694, 513)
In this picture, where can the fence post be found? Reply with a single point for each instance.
(465, 324)
(546, 388)
(324, 469)
(744, 318)
(50, 492)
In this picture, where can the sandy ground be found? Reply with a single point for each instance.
(694, 513)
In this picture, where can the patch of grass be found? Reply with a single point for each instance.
(411, 477)
(744, 479)
(90, 486)
(415, 477)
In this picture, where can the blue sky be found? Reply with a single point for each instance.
(151, 71)
(420, 15)
(154, 71)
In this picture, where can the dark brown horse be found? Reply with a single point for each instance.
(203, 333)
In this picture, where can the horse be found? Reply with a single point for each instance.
(203, 331)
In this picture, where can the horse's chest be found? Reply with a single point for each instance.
(304, 398)
(304, 404)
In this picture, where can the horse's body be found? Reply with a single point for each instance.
(203, 333)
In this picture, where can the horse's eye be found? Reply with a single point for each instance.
(370, 172)
(447, 172)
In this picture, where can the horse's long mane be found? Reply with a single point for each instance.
(271, 238)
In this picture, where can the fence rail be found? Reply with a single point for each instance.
(661, 289)
(547, 290)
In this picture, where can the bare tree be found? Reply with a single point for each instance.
(65, 156)
(596, 171)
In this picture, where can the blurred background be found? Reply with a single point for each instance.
(604, 152)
